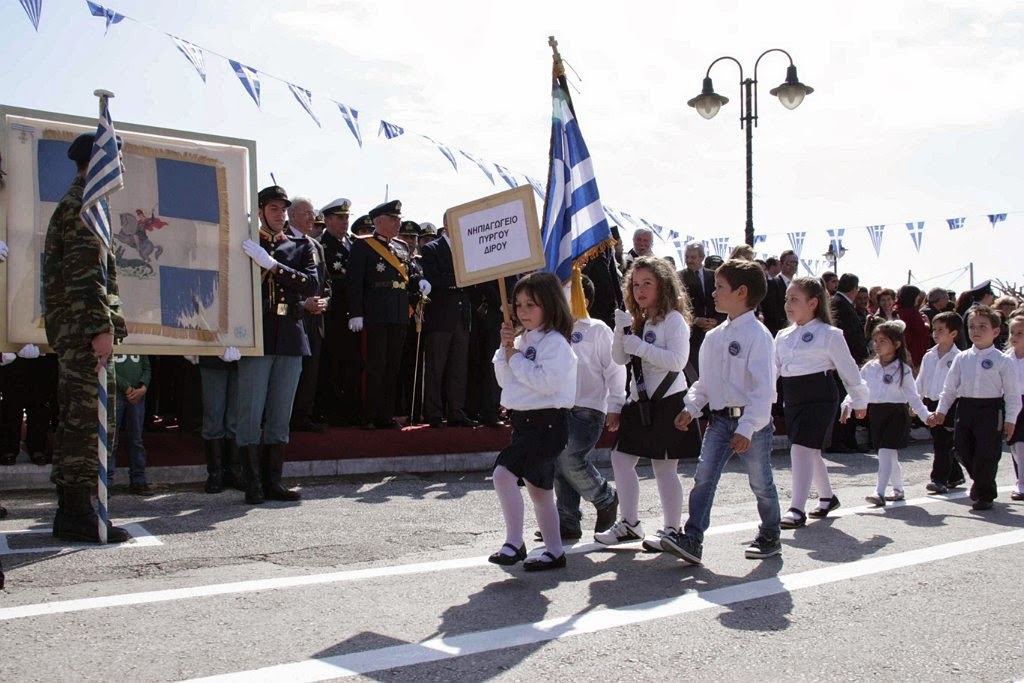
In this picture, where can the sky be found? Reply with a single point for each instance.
(917, 112)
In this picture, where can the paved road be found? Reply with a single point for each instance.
(387, 579)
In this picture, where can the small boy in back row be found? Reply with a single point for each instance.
(737, 381)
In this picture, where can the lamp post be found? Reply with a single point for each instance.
(834, 254)
(791, 93)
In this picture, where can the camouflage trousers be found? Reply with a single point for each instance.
(75, 458)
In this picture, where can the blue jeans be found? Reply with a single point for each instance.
(130, 419)
(576, 477)
(714, 454)
(220, 401)
(266, 390)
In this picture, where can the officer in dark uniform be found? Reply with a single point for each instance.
(341, 367)
(381, 282)
(267, 383)
(410, 374)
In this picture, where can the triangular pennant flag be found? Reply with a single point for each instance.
(478, 163)
(916, 233)
(351, 117)
(810, 266)
(506, 175)
(538, 188)
(250, 79)
(194, 55)
(305, 98)
(111, 16)
(390, 130)
(655, 228)
(443, 149)
(673, 235)
(994, 218)
(720, 245)
(33, 8)
(956, 223)
(876, 232)
(760, 239)
(835, 238)
(796, 240)
(629, 218)
(610, 212)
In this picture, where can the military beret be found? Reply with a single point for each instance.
(268, 194)
(363, 224)
(81, 147)
(392, 208)
(339, 207)
(410, 228)
(427, 228)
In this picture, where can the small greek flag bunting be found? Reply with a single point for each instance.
(956, 223)
(537, 187)
(720, 245)
(351, 117)
(876, 232)
(194, 55)
(673, 236)
(811, 267)
(835, 238)
(390, 130)
(760, 239)
(628, 218)
(445, 151)
(506, 175)
(479, 164)
(655, 228)
(111, 16)
(994, 218)
(33, 8)
(916, 231)
(104, 177)
(305, 98)
(249, 78)
(796, 240)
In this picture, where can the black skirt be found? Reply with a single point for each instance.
(1018, 429)
(889, 425)
(661, 440)
(538, 437)
(810, 405)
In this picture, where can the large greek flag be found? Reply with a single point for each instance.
(102, 179)
(575, 227)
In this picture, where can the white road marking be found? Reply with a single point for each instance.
(140, 539)
(436, 649)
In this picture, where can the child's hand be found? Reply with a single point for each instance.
(845, 415)
(860, 414)
(683, 420)
(611, 422)
(1008, 430)
(740, 444)
(936, 419)
(508, 335)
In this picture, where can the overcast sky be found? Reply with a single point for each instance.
(916, 116)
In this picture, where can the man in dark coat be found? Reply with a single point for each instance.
(700, 285)
(844, 316)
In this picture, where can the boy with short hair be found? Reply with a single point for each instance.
(985, 382)
(935, 365)
(738, 383)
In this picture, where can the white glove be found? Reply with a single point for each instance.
(231, 354)
(425, 288)
(29, 351)
(632, 344)
(3, 251)
(258, 254)
(194, 360)
(622, 319)
(7, 358)
(356, 324)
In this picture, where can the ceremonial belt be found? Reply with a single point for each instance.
(388, 256)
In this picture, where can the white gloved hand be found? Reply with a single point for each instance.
(425, 288)
(231, 354)
(29, 351)
(632, 344)
(622, 319)
(3, 251)
(258, 254)
(7, 358)
(194, 360)
(356, 324)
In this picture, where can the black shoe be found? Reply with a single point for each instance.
(463, 422)
(876, 500)
(3, 512)
(956, 483)
(686, 548)
(833, 503)
(936, 487)
(841, 448)
(142, 489)
(566, 534)
(436, 424)
(506, 560)
(496, 422)
(272, 467)
(762, 547)
(40, 458)
(386, 424)
(982, 505)
(538, 565)
(791, 523)
(607, 515)
(8, 458)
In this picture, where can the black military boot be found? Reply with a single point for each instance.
(58, 518)
(214, 449)
(250, 457)
(273, 466)
(76, 520)
(231, 467)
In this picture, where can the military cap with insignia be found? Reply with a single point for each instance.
(392, 208)
(339, 207)
(81, 147)
(981, 289)
(410, 228)
(427, 228)
(269, 194)
(362, 225)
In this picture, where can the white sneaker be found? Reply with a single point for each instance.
(620, 532)
(652, 544)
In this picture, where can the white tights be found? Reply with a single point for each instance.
(507, 487)
(627, 483)
(889, 470)
(808, 466)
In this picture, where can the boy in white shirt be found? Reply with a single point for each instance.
(935, 364)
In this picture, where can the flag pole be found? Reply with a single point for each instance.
(102, 438)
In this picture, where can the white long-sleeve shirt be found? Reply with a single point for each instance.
(934, 368)
(982, 373)
(884, 386)
(737, 369)
(1019, 364)
(542, 376)
(600, 381)
(816, 347)
(665, 349)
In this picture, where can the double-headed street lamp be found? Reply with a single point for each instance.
(791, 93)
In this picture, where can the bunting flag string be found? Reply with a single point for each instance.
(476, 161)
(305, 98)
(994, 218)
(796, 241)
(249, 78)
(916, 234)
(390, 130)
(111, 16)
(760, 239)
(506, 175)
(34, 9)
(537, 187)
(351, 117)
(955, 223)
(720, 245)
(194, 55)
(876, 232)
(835, 239)
(445, 151)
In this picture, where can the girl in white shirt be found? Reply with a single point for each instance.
(537, 374)
(1015, 351)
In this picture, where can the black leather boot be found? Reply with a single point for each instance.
(273, 466)
(214, 449)
(231, 466)
(77, 520)
(250, 457)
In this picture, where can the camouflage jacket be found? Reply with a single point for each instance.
(80, 293)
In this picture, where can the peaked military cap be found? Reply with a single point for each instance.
(339, 207)
(81, 147)
(427, 228)
(268, 194)
(980, 289)
(410, 228)
(363, 224)
(392, 208)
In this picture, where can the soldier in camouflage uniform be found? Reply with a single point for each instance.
(83, 322)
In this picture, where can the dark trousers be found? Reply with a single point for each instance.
(30, 388)
(384, 345)
(945, 468)
(340, 390)
(978, 440)
(305, 394)
(484, 393)
(447, 364)
(843, 435)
